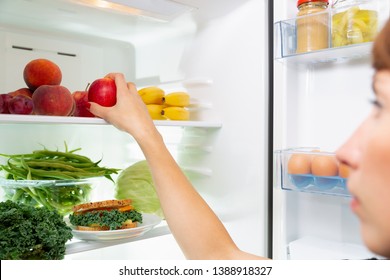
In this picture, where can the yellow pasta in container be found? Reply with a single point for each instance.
(354, 26)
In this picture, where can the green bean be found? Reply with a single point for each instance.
(37, 197)
(74, 164)
(17, 155)
(70, 156)
(85, 174)
(15, 171)
(50, 174)
(71, 151)
(54, 165)
(23, 164)
(45, 164)
(18, 193)
(94, 169)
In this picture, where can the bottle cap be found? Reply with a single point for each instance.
(300, 2)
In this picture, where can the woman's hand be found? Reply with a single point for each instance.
(129, 114)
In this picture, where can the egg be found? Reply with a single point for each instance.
(324, 165)
(298, 164)
(343, 170)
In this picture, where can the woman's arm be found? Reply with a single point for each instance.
(196, 228)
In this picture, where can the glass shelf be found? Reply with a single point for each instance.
(35, 119)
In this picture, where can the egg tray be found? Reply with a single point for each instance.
(311, 183)
(302, 177)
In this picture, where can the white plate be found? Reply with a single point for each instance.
(148, 222)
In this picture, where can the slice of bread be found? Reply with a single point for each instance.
(97, 228)
(100, 205)
(126, 225)
(129, 225)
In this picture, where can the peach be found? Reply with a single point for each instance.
(53, 101)
(40, 72)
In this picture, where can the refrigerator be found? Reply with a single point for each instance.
(321, 94)
(253, 101)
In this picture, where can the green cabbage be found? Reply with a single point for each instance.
(135, 182)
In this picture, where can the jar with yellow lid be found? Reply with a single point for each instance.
(312, 25)
(353, 22)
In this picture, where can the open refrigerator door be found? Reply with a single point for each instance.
(320, 97)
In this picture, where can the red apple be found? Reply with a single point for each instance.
(81, 104)
(40, 72)
(21, 104)
(6, 99)
(53, 101)
(103, 92)
(21, 91)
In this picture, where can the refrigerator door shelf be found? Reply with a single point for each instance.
(36, 119)
(332, 55)
(312, 248)
(295, 168)
(355, 24)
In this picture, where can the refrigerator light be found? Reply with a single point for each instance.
(165, 10)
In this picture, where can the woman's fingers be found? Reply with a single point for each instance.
(97, 109)
(120, 82)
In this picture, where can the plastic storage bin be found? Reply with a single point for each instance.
(59, 195)
(309, 170)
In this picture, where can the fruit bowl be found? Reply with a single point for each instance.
(59, 195)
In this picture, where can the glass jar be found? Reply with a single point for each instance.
(312, 25)
(353, 22)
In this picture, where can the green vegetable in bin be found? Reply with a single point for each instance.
(53, 179)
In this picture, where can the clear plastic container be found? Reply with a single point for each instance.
(310, 170)
(354, 22)
(59, 195)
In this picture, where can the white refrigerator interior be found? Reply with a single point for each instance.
(215, 50)
(320, 99)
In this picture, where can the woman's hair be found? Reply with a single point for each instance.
(381, 49)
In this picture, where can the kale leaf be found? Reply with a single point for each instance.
(112, 219)
(29, 233)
